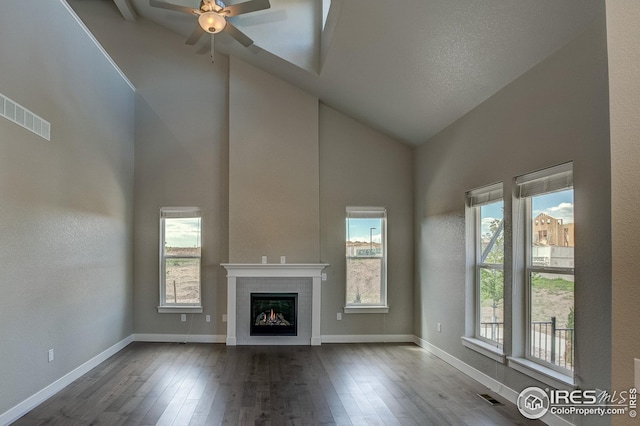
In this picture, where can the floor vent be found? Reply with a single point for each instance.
(15, 112)
(491, 400)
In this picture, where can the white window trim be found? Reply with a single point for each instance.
(541, 373)
(174, 308)
(182, 309)
(472, 339)
(364, 309)
(382, 308)
(491, 351)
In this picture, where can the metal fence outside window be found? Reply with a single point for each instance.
(552, 344)
(493, 331)
(548, 342)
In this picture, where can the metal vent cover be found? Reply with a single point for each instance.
(18, 114)
(491, 400)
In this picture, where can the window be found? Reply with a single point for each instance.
(547, 198)
(486, 210)
(180, 255)
(366, 255)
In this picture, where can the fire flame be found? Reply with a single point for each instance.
(272, 317)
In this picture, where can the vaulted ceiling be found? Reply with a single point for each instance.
(408, 68)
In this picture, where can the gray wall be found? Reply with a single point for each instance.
(194, 118)
(623, 33)
(273, 169)
(181, 157)
(556, 112)
(361, 167)
(67, 204)
(181, 160)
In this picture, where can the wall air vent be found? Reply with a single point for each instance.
(15, 112)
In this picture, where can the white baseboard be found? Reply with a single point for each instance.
(213, 338)
(39, 397)
(368, 338)
(494, 385)
(180, 338)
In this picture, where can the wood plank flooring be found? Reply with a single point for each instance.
(212, 384)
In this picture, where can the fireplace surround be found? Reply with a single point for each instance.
(244, 279)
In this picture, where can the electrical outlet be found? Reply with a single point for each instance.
(224, 317)
(283, 259)
(264, 259)
(324, 276)
(207, 318)
(439, 328)
(183, 317)
(339, 316)
(50, 355)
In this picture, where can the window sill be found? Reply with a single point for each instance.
(484, 348)
(366, 309)
(179, 309)
(541, 373)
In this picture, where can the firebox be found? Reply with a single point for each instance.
(274, 314)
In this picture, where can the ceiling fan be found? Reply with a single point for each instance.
(212, 18)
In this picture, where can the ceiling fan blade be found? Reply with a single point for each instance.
(174, 7)
(195, 35)
(246, 7)
(238, 35)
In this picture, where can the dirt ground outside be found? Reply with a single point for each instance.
(363, 280)
(182, 275)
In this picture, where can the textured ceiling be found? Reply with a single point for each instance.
(408, 67)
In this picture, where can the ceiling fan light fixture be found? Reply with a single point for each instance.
(211, 22)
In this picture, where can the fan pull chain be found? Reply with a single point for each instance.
(212, 47)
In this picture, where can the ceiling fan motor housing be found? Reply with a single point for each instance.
(212, 6)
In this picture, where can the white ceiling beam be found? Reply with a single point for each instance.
(126, 9)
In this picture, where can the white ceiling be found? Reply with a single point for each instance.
(406, 67)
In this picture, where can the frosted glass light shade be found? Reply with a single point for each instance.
(211, 22)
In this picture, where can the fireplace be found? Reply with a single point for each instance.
(303, 279)
(274, 314)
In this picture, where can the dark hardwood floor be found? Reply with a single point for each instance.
(210, 384)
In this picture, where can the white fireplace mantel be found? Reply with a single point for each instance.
(274, 270)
